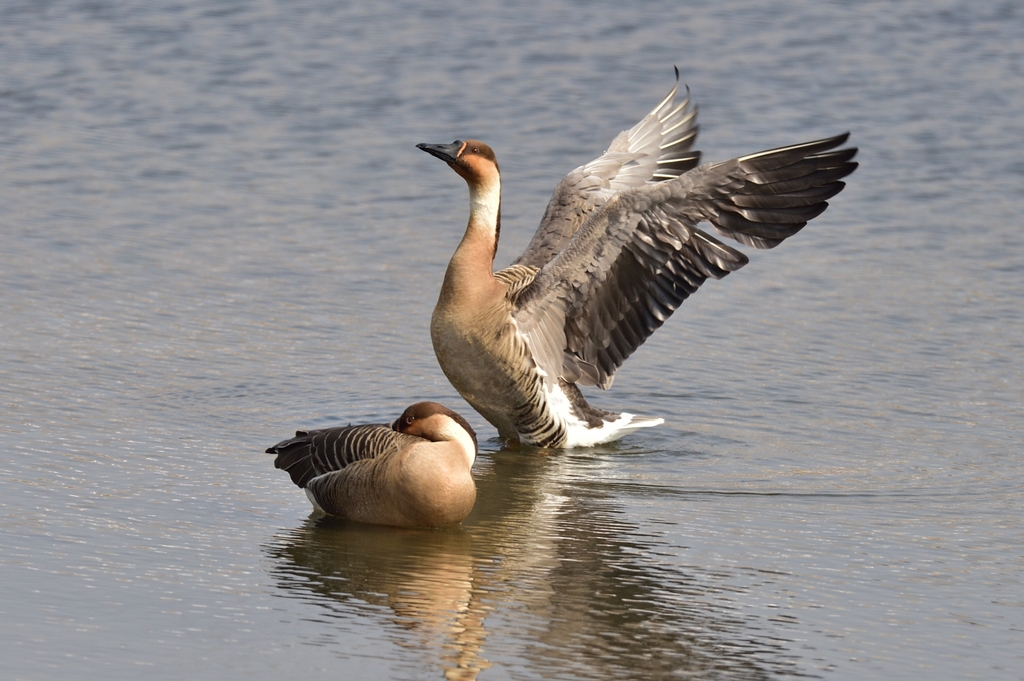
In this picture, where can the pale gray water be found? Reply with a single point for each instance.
(216, 229)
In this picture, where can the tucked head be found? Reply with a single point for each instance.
(473, 160)
(433, 421)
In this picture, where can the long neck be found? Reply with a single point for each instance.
(472, 266)
(485, 213)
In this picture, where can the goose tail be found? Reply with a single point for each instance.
(610, 430)
(295, 455)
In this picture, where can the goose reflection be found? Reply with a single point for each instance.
(544, 572)
(424, 579)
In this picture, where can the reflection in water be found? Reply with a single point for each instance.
(544, 571)
(424, 578)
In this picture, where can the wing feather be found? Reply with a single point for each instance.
(315, 452)
(655, 149)
(640, 255)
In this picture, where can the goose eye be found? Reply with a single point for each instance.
(409, 420)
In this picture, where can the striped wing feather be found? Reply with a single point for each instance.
(640, 255)
(315, 452)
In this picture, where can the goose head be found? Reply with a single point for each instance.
(437, 423)
(473, 160)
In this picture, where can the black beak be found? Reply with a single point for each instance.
(446, 152)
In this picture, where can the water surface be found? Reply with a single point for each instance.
(216, 229)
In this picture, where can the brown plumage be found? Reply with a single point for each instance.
(414, 472)
(617, 251)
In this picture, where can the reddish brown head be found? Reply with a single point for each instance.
(472, 159)
(431, 421)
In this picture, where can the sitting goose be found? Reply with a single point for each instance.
(618, 249)
(412, 473)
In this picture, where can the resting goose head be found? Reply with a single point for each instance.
(437, 423)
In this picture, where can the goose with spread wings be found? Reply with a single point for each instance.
(617, 251)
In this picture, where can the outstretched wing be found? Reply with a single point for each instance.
(638, 257)
(315, 452)
(655, 149)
